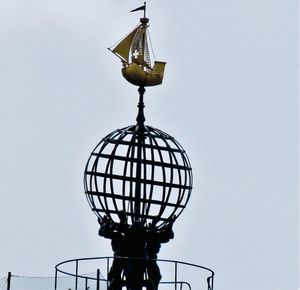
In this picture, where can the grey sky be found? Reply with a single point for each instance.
(229, 97)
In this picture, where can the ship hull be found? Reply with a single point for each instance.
(134, 74)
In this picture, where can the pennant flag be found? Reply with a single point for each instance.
(139, 8)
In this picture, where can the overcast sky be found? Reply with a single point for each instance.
(229, 97)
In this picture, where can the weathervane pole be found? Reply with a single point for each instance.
(140, 119)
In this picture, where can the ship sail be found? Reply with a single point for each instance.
(139, 49)
(122, 49)
(134, 53)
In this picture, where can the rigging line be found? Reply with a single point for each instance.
(149, 37)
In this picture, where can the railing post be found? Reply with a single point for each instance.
(98, 280)
(86, 283)
(55, 280)
(210, 283)
(107, 271)
(76, 277)
(175, 275)
(8, 280)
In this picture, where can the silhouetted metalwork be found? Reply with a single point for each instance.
(140, 170)
(135, 241)
(137, 180)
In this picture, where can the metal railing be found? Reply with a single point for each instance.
(173, 272)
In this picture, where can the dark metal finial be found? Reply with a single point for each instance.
(140, 119)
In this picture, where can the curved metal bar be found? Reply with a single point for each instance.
(210, 278)
(158, 260)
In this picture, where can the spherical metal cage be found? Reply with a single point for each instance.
(139, 170)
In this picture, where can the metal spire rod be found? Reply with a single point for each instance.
(140, 139)
(140, 119)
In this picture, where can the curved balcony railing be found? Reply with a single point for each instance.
(176, 275)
